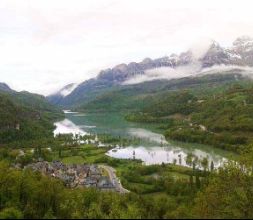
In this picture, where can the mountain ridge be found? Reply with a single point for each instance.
(239, 54)
(25, 116)
(5, 88)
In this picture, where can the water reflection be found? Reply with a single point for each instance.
(68, 127)
(147, 135)
(153, 148)
(159, 155)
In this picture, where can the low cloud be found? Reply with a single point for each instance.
(244, 70)
(165, 73)
(168, 73)
(69, 89)
(226, 69)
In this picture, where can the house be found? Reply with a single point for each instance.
(104, 183)
(73, 175)
(82, 171)
(90, 182)
(94, 171)
(58, 165)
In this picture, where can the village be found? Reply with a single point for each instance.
(76, 175)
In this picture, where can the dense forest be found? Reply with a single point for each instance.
(219, 117)
(25, 117)
(207, 194)
(210, 109)
(223, 119)
(154, 117)
(128, 98)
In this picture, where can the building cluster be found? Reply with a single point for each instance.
(74, 175)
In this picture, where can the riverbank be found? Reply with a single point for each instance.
(125, 175)
(139, 140)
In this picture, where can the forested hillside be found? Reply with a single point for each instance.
(136, 97)
(223, 193)
(223, 119)
(213, 109)
(25, 116)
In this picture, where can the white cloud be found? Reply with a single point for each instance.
(167, 73)
(66, 91)
(224, 69)
(46, 44)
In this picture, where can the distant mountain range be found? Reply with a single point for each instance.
(240, 54)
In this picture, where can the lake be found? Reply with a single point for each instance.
(153, 148)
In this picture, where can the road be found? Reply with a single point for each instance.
(113, 178)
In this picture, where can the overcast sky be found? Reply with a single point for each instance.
(46, 44)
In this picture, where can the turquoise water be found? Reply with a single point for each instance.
(153, 148)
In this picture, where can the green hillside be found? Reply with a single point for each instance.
(210, 109)
(25, 116)
(136, 97)
(223, 119)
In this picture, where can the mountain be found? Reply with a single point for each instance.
(222, 117)
(25, 116)
(240, 54)
(136, 97)
(59, 96)
(5, 88)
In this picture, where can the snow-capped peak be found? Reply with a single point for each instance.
(243, 44)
